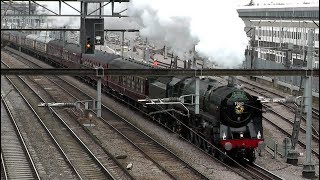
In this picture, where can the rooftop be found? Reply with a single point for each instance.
(306, 12)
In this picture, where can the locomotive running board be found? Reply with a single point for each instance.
(165, 101)
(167, 110)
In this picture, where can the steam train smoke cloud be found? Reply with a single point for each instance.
(214, 26)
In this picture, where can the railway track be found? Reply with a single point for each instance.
(261, 172)
(265, 92)
(273, 116)
(268, 108)
(290, 110)
(45, 149)
(253, 173)
(15, 157)
(3, 169)
(314, 150)
(84, 162)
(166, 160)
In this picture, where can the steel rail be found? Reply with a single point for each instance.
(67, 159)
(264, 173)
(289, 135)
(105, 171)
(314, 111)
(141, 150)
(131, 142)
(20, 137)
(3, 169)
(110, 155)
(314, 137)
(140, 131)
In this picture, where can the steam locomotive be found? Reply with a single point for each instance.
(230, 119)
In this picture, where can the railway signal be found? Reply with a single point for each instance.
(89, 47)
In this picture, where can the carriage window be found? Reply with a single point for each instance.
(138, 84)
(141, 86)
(133, 83)
(128, 82)
(124, 80)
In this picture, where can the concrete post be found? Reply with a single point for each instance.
(309, 166)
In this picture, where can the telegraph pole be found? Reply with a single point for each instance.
(309, 166)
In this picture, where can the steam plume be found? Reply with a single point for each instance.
(213, 26)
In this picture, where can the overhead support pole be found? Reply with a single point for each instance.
(112, 7)
(20, 43)
(309, 166)
(63, 38)
(197, 102)
(122, 43)
(100, 11)
(29, 7)
(253, 35)
(59, 7)
(100, 74)
(99, 97)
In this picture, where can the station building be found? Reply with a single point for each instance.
(278, 39)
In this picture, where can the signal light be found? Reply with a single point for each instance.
(89, 47)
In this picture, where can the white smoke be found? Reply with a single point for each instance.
(213, 26)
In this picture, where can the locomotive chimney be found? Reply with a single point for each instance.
(231, 81)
